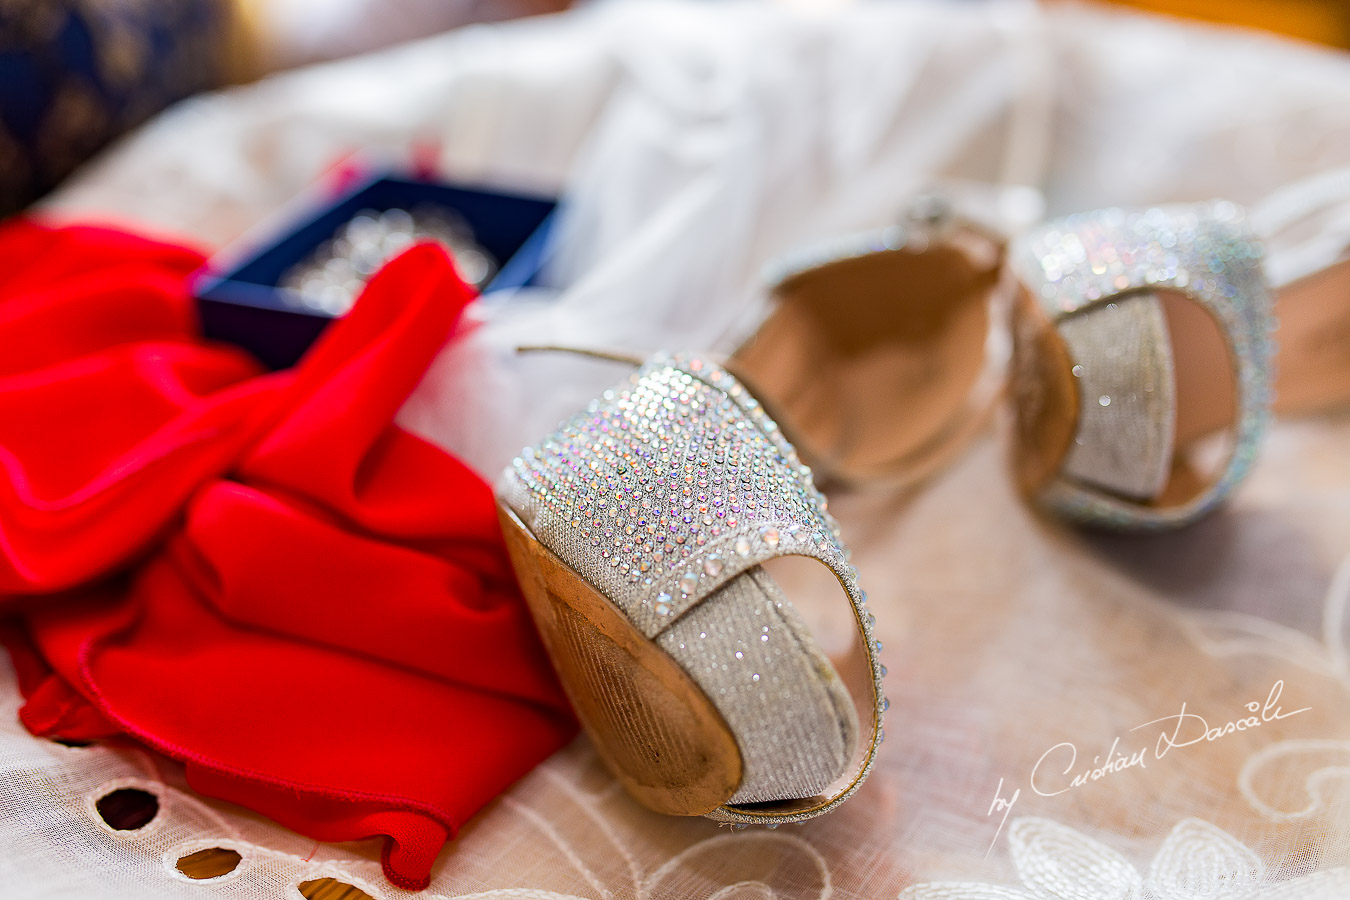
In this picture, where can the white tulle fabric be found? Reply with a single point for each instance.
(694, 143)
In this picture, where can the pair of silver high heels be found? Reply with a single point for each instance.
(640, 529)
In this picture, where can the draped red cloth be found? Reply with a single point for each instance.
(257, 573)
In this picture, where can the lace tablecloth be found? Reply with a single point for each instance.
(1045, 736)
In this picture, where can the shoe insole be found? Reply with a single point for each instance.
(1312, 371)
(867, 362)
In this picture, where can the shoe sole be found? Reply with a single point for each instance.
(658, 732)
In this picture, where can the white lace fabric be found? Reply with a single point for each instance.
(696, 142)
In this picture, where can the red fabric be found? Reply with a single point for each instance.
(257, 574)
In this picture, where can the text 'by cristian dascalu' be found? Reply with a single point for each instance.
(1059, 769)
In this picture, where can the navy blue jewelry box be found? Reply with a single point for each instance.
(239, 301)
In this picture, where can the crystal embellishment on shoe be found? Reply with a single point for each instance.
(638, 530)
(1138, 333)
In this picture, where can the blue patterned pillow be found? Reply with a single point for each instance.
(73, 75)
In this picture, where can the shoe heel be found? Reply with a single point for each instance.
(653, 726)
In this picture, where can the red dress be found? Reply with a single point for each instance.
(257, 573)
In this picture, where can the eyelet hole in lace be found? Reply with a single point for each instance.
(331, 889)
(211, 862)
(72, 743)
(127, 809)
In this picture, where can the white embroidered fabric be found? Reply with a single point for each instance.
(1047, 686)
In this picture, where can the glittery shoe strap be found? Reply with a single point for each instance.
(1127, 397)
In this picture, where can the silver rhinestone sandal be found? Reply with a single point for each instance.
(639, 531)
(910, 317)
(1139, 336)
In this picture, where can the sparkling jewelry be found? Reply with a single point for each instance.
(331, 277)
